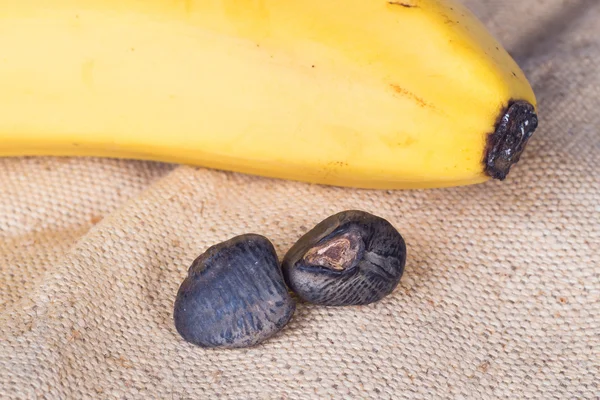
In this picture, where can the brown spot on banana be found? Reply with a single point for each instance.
(404, 4)
(411, 95)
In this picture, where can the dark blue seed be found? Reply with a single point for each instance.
(234, 295)
(350, 258)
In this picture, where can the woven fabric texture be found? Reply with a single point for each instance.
(500, 297)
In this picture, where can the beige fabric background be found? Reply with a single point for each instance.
(500, 298)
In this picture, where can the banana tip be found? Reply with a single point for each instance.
(504, 147)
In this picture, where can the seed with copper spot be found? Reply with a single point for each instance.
(350, 258)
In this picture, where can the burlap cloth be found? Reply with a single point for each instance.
(500, 297)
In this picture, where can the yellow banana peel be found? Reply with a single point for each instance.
(371, 94)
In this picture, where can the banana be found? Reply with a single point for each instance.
(370, 94)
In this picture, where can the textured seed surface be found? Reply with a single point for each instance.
(350, 258)
(234, 295)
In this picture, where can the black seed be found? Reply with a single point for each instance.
(350, 258)
(234, 295)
